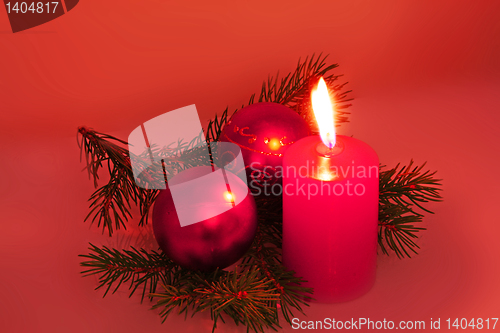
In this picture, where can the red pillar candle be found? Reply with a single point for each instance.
(330, 209)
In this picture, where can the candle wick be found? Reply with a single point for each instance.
(328, 149)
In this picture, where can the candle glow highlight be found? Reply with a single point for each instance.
(229, 196)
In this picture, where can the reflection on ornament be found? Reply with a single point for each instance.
(229, 196)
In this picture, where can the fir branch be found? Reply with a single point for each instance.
(266, 254)
(244, 296)
(111, 203)
(148, 198)
(156, 164)
(215, 127)
(99, 148)
(403, 190)
(295, 86)
(115, 267)
(409, 186)
(294, 89)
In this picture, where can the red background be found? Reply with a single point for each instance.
(425, 76)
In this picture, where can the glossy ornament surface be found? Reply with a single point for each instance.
(264, 131)
(216, 242)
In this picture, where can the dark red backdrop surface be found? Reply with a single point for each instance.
(425, 76)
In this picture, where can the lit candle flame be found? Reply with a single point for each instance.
(323, 111)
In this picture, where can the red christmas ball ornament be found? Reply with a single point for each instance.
(264, 131)
(214, 242)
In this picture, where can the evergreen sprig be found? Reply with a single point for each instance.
(260, 286)
(251, 294)
(247, 297)
(403, 192)
(294, 89)
(139, 267)
(110, 204)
